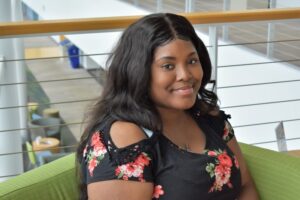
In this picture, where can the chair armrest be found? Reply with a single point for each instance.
(276, 175)
(52, 181)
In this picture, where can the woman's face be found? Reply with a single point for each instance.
(176, 75)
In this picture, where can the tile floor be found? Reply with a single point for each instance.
(59, 92)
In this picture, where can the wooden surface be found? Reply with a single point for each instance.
(294, 153)
(46, 143)
(43, 52)
(92, 24)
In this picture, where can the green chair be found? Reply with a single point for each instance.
(37, 158)
(30, 154)
(53, 181)
(276, 175)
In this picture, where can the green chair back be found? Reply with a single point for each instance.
(31, 154)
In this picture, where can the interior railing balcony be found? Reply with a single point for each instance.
(255, 85)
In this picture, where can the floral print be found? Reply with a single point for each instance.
(95, 153)
(221, 177)
(236, 162)
(220, 170)
(227, 132)
(158, 191)
(133, 169)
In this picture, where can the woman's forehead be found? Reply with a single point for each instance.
(173, 48)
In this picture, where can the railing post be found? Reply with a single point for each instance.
(159, 5)
(136, 2)
(189, 6)
(271, 29)
(226, 7)
(213, 52)
(280, 137)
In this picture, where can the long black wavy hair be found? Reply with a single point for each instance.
(126, 91)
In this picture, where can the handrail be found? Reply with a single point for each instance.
(12, 29)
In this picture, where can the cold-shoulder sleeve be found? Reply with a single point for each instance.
(104, 161)
(220, 123)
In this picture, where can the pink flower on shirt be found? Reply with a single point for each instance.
(220, 169)
(158, 191)
(96, 153)
(133, 169)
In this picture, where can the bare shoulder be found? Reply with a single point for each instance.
(126, 133)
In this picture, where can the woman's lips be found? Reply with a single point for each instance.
(187, 90)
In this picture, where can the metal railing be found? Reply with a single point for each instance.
(215, 21)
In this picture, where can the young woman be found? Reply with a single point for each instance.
(157, 132)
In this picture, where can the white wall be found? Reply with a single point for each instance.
(12, 95)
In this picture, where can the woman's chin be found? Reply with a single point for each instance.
(184, 105)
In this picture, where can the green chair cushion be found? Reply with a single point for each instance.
(53, 181)
(276, 175)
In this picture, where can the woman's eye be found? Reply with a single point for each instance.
(168, 66)
(193, 61)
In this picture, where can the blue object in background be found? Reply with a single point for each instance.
(73, 52)
(35, 116)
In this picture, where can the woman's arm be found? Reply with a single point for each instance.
(249, 191)
(120, 190)
(122, 134)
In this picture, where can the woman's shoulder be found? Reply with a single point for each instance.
(122, 139)
(115, 146)
(122, 133)
(125, 133)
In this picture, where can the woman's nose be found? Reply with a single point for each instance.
(183, 73)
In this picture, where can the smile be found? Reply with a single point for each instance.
(184, 91)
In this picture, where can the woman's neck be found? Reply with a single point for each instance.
(172, 117)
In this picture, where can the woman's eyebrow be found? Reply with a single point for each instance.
(193, 53)
(174, 58)
(166, 58)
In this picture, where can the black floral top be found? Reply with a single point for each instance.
(175, 173)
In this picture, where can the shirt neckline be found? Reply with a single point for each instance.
(180, 149)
